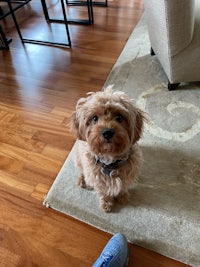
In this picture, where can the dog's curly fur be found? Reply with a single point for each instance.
(109, 159)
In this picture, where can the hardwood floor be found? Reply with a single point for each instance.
(39, 86)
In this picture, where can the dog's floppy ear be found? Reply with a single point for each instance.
(139, 123)
(73, 124)
(136, 118)
(76, 122)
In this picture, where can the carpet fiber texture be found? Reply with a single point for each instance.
(163, 213)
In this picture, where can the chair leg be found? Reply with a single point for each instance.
(152, 53)
(4, 41)
(172, 86)
(94, 3)
(97, 3)
(89, 5)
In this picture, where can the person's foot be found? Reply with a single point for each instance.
(115, 253)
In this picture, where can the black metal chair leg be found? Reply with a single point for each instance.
(64, 20)
(89, 5)
(15, 20)
(94, 3)
(45, 10)
(90, 11)
(99, 3)
(4, 41)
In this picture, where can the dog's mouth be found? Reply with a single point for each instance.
(108, 141)
(107, 147)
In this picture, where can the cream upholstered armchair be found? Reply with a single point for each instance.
(174, 32)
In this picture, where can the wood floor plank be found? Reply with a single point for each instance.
(39, 88)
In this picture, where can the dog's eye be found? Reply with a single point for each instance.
(95, 119)
(119, 118)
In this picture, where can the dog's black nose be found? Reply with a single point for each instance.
(107, 133)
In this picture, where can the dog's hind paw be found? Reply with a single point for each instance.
(122, 198)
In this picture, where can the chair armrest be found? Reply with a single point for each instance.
(170, 24)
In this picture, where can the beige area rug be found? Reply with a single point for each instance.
(163, 214)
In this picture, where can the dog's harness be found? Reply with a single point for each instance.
(108, 168)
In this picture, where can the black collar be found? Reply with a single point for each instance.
(108, 168)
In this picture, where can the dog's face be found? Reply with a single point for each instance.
(108, 121)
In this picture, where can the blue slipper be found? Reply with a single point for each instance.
(115, 253)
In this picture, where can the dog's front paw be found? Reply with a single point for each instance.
(81, 182)
(106, 204)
